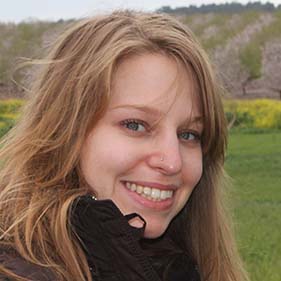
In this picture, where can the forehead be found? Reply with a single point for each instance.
(152, 79)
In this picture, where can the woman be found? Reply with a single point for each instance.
(114, 170)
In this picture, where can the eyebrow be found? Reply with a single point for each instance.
(155, 112)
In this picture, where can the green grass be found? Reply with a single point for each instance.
(254, 163)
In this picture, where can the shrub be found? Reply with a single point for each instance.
(258, 114)
(9, 113)
(11, 106)
(251, 53)
(250, 57)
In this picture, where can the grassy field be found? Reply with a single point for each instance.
(254, 163)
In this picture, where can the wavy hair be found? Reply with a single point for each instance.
(40, 175)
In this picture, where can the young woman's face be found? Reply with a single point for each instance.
(145, 153)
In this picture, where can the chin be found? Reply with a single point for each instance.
(154, 232)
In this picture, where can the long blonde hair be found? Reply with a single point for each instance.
(40, 177)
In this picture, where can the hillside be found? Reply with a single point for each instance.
(245, 49)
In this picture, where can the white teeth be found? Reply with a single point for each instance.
(153, 194)
(164, 194)
(133, 187)
(147, 191)
(139, 189)
(170, 194)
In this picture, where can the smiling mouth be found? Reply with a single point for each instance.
(152, 194)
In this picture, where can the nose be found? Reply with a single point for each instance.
(165, 156)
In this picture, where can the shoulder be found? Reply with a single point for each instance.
(23, 268)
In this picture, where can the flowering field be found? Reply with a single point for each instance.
(255, 114)
(9, 113)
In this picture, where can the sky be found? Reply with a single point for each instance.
(19, 10)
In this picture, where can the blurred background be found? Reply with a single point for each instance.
(243, 40)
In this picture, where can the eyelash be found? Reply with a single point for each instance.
(137, 122)
(196, 136)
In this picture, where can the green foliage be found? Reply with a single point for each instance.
(6, 126)
(219, 21)
(271, 31)
(251, 54)
(199, 27)
(228, 25)
(18, 41)
(257, 114)
(230, 8)
(251, 59)
(253, 162)
(10, 106)
(9, 113)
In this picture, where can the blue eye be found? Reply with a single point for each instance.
(189, 136)
(134, 125)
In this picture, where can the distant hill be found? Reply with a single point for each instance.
(243, 41)
(232, 7)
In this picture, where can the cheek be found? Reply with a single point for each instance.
(122, 155)
(193, 168)
(109, 156)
